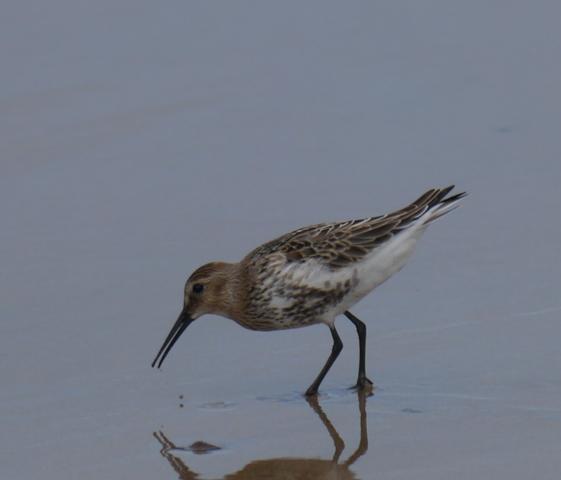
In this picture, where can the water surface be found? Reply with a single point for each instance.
(140, 140)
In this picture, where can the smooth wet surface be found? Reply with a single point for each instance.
(284, 467)
(140, 140)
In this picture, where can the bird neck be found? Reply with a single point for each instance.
(231, 298)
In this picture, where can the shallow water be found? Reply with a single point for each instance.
(139, 141)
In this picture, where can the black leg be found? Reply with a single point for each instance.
(362, 380)
(335, 351)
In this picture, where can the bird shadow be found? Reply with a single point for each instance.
(286, 467)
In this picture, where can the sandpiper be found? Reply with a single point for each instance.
(310, 276)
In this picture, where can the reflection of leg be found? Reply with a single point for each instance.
(165, 442)
(363, 444)
(335, 351)
(176, 463)
(337, 440)
(362, 380)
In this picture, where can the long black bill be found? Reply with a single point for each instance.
(178, 328)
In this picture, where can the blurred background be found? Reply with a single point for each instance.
(141, 139)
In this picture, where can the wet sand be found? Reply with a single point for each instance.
(139, 141)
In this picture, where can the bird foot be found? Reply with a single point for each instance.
(311, 392)
(363, 383)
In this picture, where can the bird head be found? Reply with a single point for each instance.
(207, 290)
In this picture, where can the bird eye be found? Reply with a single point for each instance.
(198, 288)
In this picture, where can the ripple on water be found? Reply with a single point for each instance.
(220, 405)
(344, 394)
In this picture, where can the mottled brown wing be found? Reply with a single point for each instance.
(343, 243)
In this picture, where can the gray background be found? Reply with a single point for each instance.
(140, 139)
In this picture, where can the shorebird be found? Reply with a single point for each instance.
(311, 276)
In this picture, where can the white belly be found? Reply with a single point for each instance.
(376, 268)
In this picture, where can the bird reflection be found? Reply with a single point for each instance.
(287, 468)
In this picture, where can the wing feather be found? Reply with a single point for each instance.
(340, 244)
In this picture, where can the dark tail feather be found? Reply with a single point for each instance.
(441, 205)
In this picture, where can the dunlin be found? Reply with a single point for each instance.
(310, 276)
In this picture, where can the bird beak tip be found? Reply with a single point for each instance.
(178, 328)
